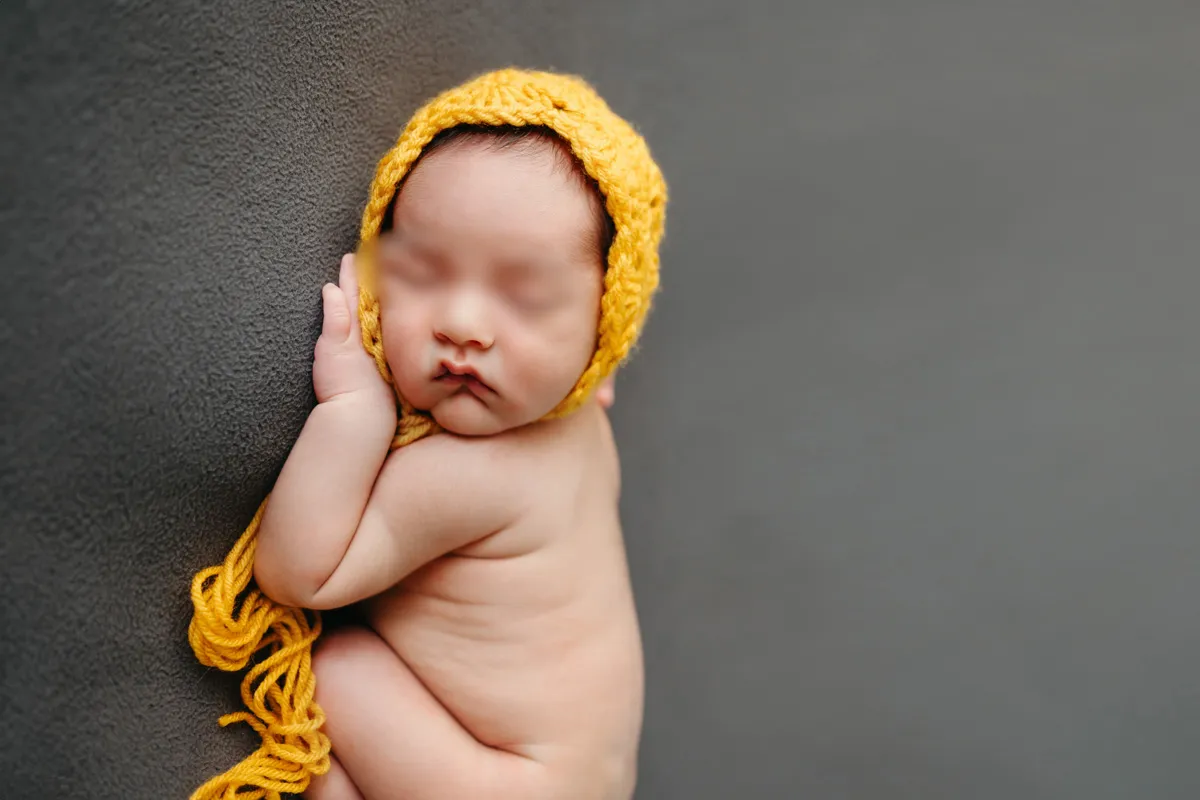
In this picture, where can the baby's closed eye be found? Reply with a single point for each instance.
(415, 267)
(418, 271)
(532, 287)
(532, 296)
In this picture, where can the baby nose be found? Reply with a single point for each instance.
(462, 323)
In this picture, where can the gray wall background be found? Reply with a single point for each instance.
(911, 447)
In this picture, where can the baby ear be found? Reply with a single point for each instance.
(606, 392)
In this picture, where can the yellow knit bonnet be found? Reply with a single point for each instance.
(612, 154)
(233, 622)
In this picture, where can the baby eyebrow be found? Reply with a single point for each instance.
(526, 270)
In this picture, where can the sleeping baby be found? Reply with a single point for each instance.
(458, 476)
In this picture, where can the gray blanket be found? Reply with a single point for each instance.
(910, 450)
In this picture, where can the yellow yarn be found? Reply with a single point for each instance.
(232, 622)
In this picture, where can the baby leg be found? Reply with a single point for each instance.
(395, 741)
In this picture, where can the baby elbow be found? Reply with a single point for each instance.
(276, 590)
(324, 600)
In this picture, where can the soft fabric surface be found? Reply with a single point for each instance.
(910, 450)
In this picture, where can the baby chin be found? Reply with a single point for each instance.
(466, 415)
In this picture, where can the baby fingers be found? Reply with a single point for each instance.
(335, 324)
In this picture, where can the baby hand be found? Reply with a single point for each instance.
(341, 366)
(606, 393)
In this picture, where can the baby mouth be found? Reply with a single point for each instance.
(462, 376)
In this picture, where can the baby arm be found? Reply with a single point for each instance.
(346, 520)
(323, 489)
(432, 498)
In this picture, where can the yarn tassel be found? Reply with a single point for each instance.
(233, 623)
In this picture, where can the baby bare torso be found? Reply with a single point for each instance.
(529, 638)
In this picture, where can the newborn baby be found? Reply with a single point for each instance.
(501, 656)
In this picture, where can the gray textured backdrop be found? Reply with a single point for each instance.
(911, 449)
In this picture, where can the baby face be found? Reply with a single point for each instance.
(489, 285)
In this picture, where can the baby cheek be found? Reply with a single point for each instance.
(402, 339)
(551, 366)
